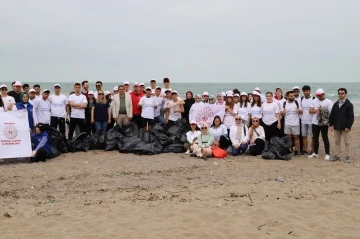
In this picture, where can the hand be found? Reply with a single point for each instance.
(109, 121)
(279, 126)
(331, 128)
(33, 153)
(115, 119)
(92, 121)
(68, 117)
(317, 111)
(243, 142)
(252, 142)
(347, 129)
(297, 111)
(167, 121)
(236, 146)
(216, 143)
(130, 118)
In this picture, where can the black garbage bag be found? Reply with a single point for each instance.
(183, 139)
(174, 148)
(163, 139)
(175, 139)
(57, 140)
(159, 128)
(69, 147)
(98, 140)
(54, 152)
(280, 145)
(81, 142)
(268, 155)
(144, 148)
(129, 143)
(129, 130)
(147, 136)
(113, 138)
(177, 129)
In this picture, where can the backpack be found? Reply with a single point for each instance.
(296, 102)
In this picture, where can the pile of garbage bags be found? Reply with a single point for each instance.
(129, 139)
(278, 149)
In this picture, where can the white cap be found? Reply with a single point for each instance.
(206, 93)
(116, 88)
(136, 83)
(3, 86)
(256, 93)
(141, 84)
(32, 90)
(148, 88)
(152, 80)
(126, 83)
(107, 92)
(230, 94)
(57, 85)
(223, 93)
(296, 88)
(257, 88)
(236, 95)
(174, 92)
(17, 83)
(46, 90)
(193, 122)
(90, 92)
(243, 93)
(319, 92)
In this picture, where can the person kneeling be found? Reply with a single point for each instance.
(191, 137)
(239, 136)
(203, 148)
(41, 145)
(257, 138)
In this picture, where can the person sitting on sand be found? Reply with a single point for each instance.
(219, 130)
(257, 137)
(40, 145)
(205, 141)
(239, 136)
(191, 137)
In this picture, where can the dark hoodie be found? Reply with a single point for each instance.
(187, 106)
(342, 117)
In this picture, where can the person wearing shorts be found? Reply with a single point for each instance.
(148, 105)
(306, 120)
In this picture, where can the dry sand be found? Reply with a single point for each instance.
(112, 195)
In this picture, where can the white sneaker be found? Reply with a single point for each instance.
(187, 152)
(327, 157)
(313, 155)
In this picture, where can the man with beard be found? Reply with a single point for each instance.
(42, 108)
(98, 86)
(291, 111)
(85, 88)
(296, 91)
(16, 92)
(32, 96)
(37, 89)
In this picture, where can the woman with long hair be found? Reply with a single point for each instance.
(239, 136)
(25, 105)
(191, 137)
(244, 108)
(189, 101)
(256, 110)
(230, 112)
(101, 112)
(41, 145)
(257, 137)
(90, 127)
(271, 117)
(219, 130)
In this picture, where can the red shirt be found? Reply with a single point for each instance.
(135, 98)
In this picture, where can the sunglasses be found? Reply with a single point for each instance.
(4, 89)
(255, 121)
(341, 93)
(192, 124)
(101, 94)
(238, 119)
(203, 127)
(98, 85)
(296, 90)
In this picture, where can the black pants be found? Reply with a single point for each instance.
(73, 123)
(281, 131)
(111, 125)
(58, 122)
(170, 123)
(316, 129)
(137, 120)
(270, 130)
(258, 147)
(41, 155)
(224, 142)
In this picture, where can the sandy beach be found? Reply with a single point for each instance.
(111, 195)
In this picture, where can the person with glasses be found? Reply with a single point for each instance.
(78, 104)
(191, 137)
(341, 121)
(204, 142)
(257, 138)
(219, 130)
(297, 95)
(244, 109)
(100, 112)
(98, 86)
(320, 108)
(8, 101)
(25, 105)
(122, 108)
(239, 136)
(205, 97)
(42, 108)
(58, 109)
(219, 99)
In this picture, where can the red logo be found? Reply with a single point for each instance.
(205, 116)
(10, 132)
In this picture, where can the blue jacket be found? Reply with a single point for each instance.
(38, 141)
(29, 108)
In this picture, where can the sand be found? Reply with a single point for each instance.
(111, 195)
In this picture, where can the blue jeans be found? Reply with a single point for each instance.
(159, 119)
(242, 148)
(101, 125)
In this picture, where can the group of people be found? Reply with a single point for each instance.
(249, 121)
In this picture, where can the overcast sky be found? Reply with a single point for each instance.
(185, 40)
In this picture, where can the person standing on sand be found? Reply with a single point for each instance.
(16, 92)
(256, 110)
(167, 87)
(148, 104)
(175, 108)
(306, 120)
(320, 108)
(230, 112)
(85, 88)
(78, 104)
(159, 114)
(42, 108)
(58, 104)
(32, 96)
(189, 101)
(271, 118)
(135, 98)
(244, 109)
(219, 99)
(127, 87)
(98, 86)
(341, 121)
(26, 88)
(122, 108)
(100, 112)
(153, 86)
(37, 89)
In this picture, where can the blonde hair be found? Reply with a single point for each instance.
(97, 100)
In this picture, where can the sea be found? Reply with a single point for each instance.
(330, 89)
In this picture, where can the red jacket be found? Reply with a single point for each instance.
(135, 98)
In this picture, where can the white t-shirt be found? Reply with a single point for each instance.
(244, 111)
(229, 119)
(306, 117)
(173, 106)
(58, 105)
(160, 102)
(219, 131)
(190, 136)
(316, 104)
(269, 111)
(42, 109)
(31, 101)
(148, 107)
(291, 116)
(78, 99)
(256, 111)
(8, 100)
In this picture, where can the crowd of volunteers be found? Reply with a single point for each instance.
(250, 120)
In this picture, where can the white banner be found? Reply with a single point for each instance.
(205, 113)
(15, 140)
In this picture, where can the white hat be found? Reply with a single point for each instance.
(236, 95)
(107, 92)
(256, 93)
(230, 94)
(296, 88)
(136, 83)
(32, 90)
(319, 92)
(116, 88)
(90, 92)
(223, 93)
(243, 93)
(57, 85)
(148, 88)
(126, 83)
(46, 90)
(152, 80)
(141, 84)
(174, 92)
(17, 83)
(3, 86)
(257, 89)
(193, 122)
(206, 93)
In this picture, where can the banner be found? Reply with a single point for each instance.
(15, 141)
(205, 113)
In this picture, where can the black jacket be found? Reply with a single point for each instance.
(342, 117)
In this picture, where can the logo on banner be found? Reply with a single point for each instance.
(10, 132)
(205, 116)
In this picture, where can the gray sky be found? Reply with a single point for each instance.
(185, 40)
